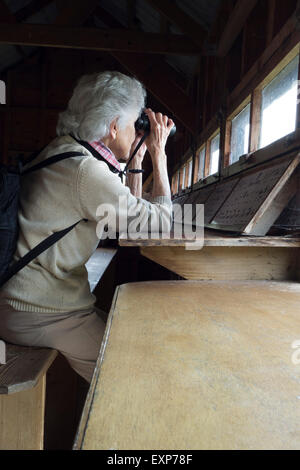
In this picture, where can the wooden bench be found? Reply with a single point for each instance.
(196, 365)
(22, 397)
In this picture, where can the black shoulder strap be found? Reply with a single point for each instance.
(126, 170)
(96, 154)
(143, 138)
(35, 252)
(51, 160)
(49, 241)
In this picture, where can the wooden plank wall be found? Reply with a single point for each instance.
(217, 77)
(39, 89)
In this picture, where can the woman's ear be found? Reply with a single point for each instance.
(113, 129)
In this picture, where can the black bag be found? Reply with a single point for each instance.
(9, 201)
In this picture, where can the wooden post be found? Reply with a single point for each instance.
(223, 125)
(196, 168)
(255, 119)
(207, 159)
(175, 176)
(180, 179)
(186, 176)
(7, 120)
(298, 99)
(177, 182)
(227, 144)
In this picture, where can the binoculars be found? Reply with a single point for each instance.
(143, 124)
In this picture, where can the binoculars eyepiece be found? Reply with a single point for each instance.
(143, 124)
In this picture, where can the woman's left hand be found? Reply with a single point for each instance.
(139, 156)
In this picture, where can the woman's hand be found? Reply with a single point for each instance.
(160, 126)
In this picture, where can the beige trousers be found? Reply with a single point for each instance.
(77, 335)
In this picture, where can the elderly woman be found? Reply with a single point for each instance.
(49, 303)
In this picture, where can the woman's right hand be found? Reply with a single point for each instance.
(160, 128)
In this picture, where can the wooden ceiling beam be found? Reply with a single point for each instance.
(218, 26)
(235, 25)
(94, 39)
(31, 9)
(184, 22)
(131, 14)
(68, 13)
(75, 13)
(5, 14)
(155, 60)
(174, 99)
(158, 77)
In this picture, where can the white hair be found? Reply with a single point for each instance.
(97, 100)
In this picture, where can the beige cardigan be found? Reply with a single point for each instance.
(52, 199)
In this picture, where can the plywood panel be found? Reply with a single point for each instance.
(217, 198)
(188, 211)
(255, 193)
(196, 197)
(201, 365)
(203, 194)
(290, 217)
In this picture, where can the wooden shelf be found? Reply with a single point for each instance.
(214, 238)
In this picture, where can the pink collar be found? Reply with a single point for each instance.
(106, 153)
